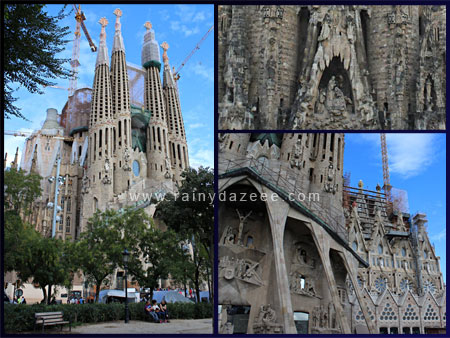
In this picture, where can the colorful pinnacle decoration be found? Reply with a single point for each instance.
(165, 47)
(148, 25)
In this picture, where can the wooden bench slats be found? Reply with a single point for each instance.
(50, 318)
(53, 322)
(47, 313)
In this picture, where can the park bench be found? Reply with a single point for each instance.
(50, 318)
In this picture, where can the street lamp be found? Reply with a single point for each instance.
(125, 254)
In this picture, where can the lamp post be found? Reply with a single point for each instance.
(125, 254)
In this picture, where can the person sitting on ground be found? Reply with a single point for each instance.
(151, 312)
(163, 314)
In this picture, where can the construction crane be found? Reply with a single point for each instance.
(74, 63)
(29, 133)
(387, 184)
(176, 75)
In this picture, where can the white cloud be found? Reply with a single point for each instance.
(199, 69)
(196, 125)
(442, 235)
(410, 154)
(202, 157)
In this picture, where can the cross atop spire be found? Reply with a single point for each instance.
(148, 25)
(165, 47)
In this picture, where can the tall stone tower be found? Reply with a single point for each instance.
(177, 136)
(121, 111)
(98, 181)
(158, 167)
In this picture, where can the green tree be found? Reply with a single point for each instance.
(191, 213)
(43, 260)
(99, 247)
(156, 255)
(20, 191)
(32, 38)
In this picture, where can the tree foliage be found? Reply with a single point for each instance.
(191, 213)
(20, 191)
(32, 38)
(99, 247)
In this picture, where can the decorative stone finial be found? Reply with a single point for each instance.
(165, 47)
(117, 12)
(148, 25)
(103, 21)
(360, 184)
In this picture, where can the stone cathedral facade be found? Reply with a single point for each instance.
(301, 252)
(332, 67)
(109, 147)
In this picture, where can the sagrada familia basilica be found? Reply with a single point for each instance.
(332, 67)
(300, 251)
(104, 146)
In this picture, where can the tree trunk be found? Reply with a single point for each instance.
(209, 283)
(49, 297)
(44, 291)
(97, 291)
(151, 294)
(197, 283)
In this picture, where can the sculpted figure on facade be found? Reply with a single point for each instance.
(126, 159)
(106, 169)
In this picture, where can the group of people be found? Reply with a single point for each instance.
(75, 300)
(157, 312)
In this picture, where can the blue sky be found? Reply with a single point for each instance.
(417, 164)
(182, 26)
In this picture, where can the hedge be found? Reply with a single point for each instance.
(19, 318)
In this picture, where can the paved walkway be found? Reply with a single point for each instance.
(135, 326)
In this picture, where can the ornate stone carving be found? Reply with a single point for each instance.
(126, 160)
(85, 183)
(106, 169)
(302, 285)
(324, 319)
(298, 154)
(242, 220)
(168, 167)
(266, 321)
(330, 186)
(301, 256)
(243, 269)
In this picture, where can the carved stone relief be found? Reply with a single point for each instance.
(266, 321)
(106, 169)
(242, 269)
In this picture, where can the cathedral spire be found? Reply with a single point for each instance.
(177, 136)
(15, 164)
(118, 40)
(102, 55)
(121, 111)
